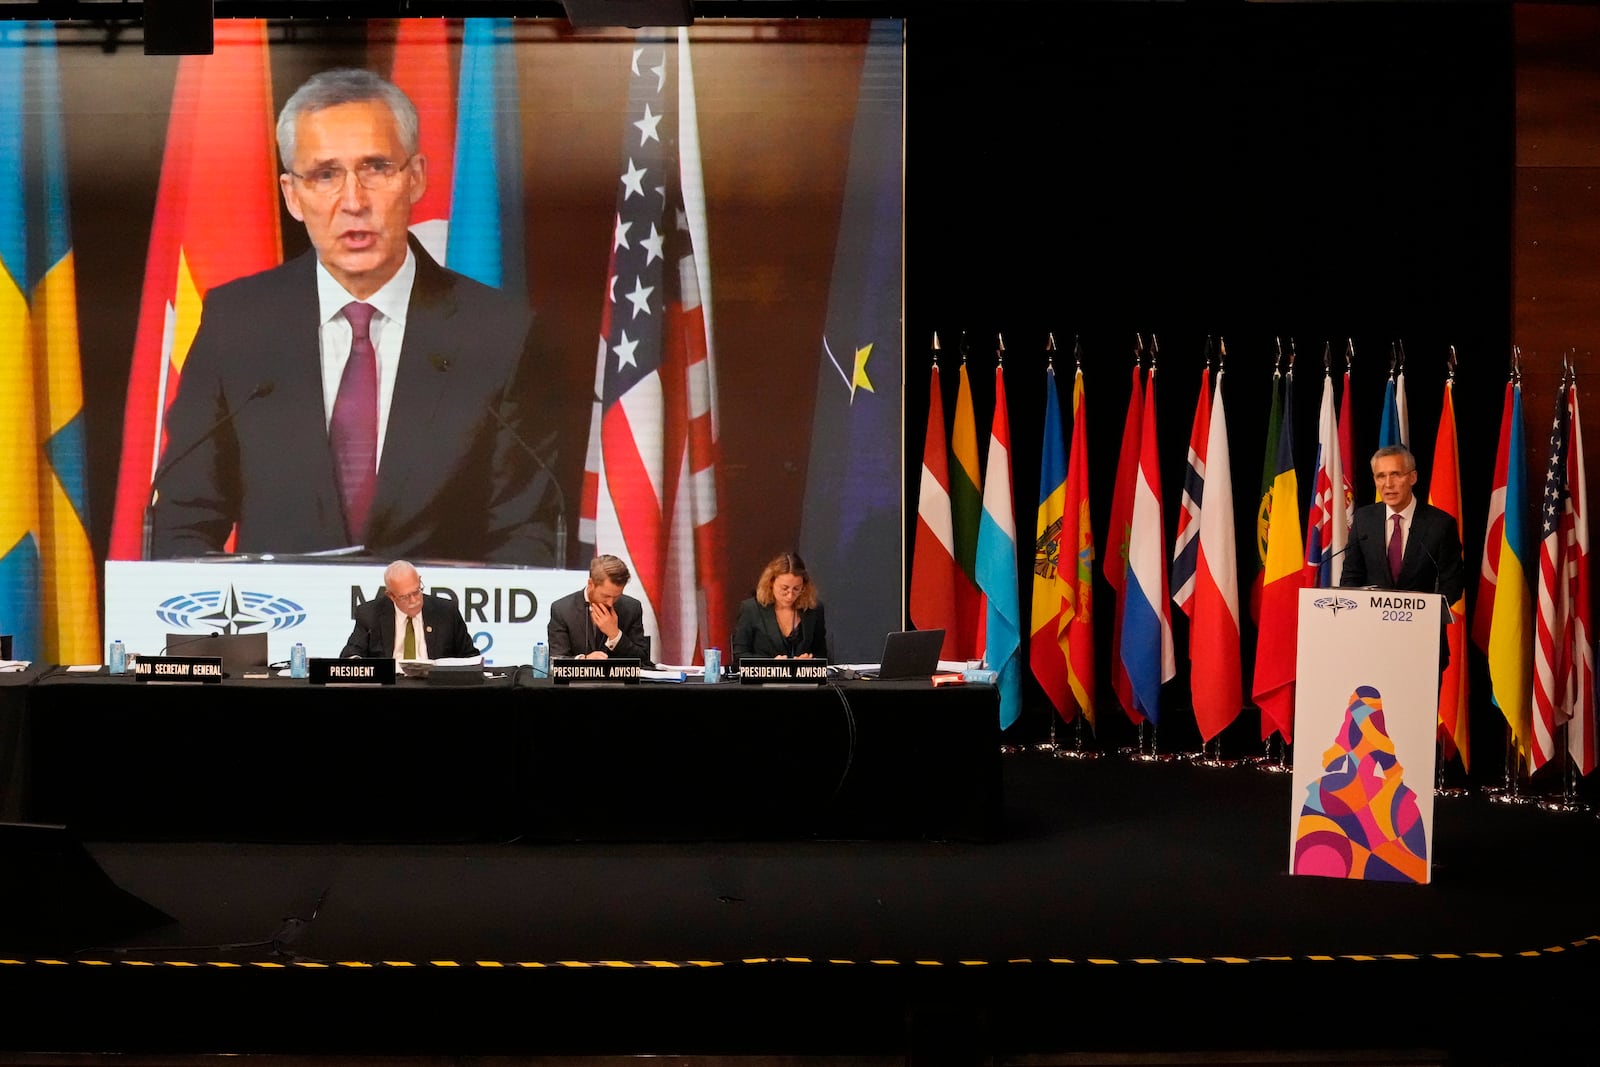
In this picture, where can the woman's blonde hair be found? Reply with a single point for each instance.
(788, 563)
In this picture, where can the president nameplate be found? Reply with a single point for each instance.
(753, 671)
(350, 671)
(594, 671)
(178, 669)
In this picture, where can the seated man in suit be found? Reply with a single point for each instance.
(1402, 543)
(408, 624)
(599, 621)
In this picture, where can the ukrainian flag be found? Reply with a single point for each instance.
(48, 598)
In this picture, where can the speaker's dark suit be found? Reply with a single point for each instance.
(1431, 564)
(572, 633)
(444, 630)
(757, 633)
(452, 483)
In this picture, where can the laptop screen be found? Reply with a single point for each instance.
(911, 654)
(239, 652)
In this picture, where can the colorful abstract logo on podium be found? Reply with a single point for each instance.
(1360, 819)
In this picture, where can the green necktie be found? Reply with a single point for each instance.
(411, 640)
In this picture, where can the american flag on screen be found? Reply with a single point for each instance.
(650, 479)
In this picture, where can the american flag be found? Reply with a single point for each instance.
(1552, 648)
(650, 479)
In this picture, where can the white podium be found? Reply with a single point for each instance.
(312, 602)
(1366, 708)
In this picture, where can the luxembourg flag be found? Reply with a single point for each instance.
(997, 562)
(1146, 622)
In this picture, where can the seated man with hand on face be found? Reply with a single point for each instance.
(408, 624)
(599, 621)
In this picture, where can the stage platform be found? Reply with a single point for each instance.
(1124, 907)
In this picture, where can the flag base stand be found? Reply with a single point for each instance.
(1266, 764)
(1077, 751)
(1439, 788)
(1210, 755)
(1140, 754)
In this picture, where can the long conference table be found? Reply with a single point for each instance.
(511, 759)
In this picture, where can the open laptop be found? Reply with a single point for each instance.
(240, 652)
(910, 654)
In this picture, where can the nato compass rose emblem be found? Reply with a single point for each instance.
(1334, 604)
(230, 611)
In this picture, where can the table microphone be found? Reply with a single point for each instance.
(262, 389)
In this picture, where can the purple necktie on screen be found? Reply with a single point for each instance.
(354, 430)
(1395, 551)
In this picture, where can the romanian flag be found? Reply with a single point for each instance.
(1115, 563)
(1283, 576)
(966, 503)
(48, 598)
(1078, 537)
(1444, 493)
(1511, 625)
(221, 123)
(1269, 477)
(1047, 654)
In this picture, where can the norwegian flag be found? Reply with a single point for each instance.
(650, 479)
(1552, 646)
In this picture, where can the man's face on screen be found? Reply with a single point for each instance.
(357, 224)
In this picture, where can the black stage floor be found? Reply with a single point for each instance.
(1125, 906)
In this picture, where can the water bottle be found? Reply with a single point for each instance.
(541, 660)
(118, 659)
(298, 667)
(713, 665)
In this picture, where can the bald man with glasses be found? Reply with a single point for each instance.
(408, 624)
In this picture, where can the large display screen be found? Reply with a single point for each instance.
(705, 226)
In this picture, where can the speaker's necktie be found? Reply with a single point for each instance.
(354, 429)
(411, 639)
(1396, 550)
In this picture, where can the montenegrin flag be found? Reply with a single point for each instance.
(48, 593)
(1077, 536)
(221, 124)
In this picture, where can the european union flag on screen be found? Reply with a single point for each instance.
(851, 531)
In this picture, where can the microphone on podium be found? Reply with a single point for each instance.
(262, 389)
(533, 453)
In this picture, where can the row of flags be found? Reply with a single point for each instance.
(1540, 650)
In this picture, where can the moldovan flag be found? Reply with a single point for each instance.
(966, 504)
(650, 490)
(1078, 537)
(1444, 493)
(997, 562)
(1115, 563)
(1494, 534)
(934, 573)
(1282, 579)
(1146, 623)
(48, 595)
(1214, 667)
(221, 123)
(422, 71)
(1511, 627)
(1580, 705)
(1052, 574)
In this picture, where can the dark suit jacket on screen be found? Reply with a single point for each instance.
(572, 633)
(1431, 564)
(443, 627)
(452, 483)
(757, 633)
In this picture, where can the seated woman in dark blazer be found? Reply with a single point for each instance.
(784, 620)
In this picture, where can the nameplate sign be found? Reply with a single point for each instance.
(594, 671)
(754, 671)
(178, 669)
(351, 671)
